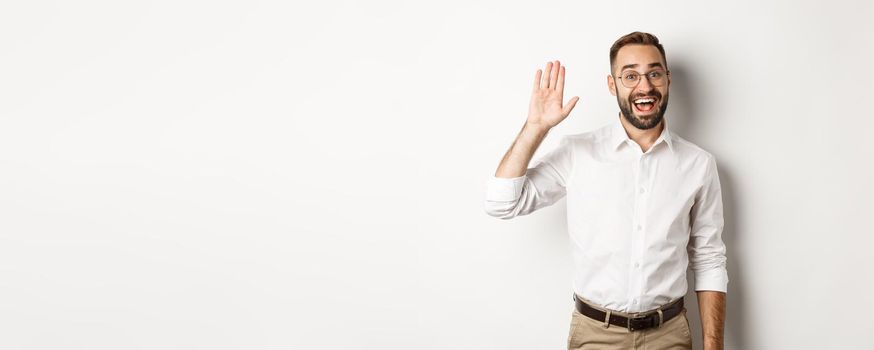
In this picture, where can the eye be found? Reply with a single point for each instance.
(655, 75)
(630, 76)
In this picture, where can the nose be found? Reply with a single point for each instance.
(644, 84)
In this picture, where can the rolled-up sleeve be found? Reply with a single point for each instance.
(541, 186)
(706, 248)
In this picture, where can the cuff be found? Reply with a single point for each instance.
(715, 280)
(501, 189)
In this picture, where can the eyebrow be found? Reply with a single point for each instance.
(651, 65)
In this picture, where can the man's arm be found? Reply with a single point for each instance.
(545, 111)
(711, 305)
(516, 189)
(707, 257)
(516, 160)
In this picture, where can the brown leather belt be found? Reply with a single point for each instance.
(641, 321)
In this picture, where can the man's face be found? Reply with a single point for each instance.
(633, 102)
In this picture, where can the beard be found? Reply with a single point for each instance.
(643, 123)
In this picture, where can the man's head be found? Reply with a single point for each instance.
(639, 78)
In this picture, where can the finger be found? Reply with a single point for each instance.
(570, 105)
(544, 83)
(553, 75)
(537, 78)
(559, 86)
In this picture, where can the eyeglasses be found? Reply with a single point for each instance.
(656, 77)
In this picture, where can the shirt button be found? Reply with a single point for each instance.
(637, 265)
(642, 190)
(639, 227)
(634, 301)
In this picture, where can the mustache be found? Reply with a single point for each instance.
(654, 94)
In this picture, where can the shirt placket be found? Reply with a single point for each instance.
(641, 194)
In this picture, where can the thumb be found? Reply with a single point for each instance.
(570, 105)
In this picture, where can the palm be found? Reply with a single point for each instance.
(546, 108)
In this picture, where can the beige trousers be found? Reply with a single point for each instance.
(586, 333)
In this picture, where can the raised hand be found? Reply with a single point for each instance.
(545, 109)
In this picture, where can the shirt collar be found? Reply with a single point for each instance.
(619, 136)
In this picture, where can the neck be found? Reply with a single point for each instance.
(644, 138)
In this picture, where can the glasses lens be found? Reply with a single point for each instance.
(656, 77)
(630, 79)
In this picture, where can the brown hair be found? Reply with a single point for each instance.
(640, 38)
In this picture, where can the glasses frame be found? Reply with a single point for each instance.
(648, 78)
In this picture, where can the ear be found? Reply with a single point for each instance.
(611, 84)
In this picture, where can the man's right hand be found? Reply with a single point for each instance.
(544, 112)
(545, 109)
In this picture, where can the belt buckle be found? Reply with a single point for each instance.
(636, 317)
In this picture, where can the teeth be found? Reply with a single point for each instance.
(644, 100)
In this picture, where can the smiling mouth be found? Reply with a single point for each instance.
(645, 105)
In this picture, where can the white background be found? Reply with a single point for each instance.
(310, 175)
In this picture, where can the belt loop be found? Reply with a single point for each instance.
(607, 319)
(661, 318)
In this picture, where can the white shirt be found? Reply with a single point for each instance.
(636, 220)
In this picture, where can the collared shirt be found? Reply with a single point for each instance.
(636, 220)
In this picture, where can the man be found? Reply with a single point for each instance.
(643, 205)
